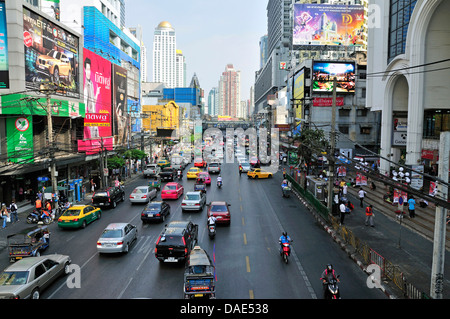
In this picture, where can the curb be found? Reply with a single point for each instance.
(340, 242)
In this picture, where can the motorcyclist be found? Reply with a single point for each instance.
(219, 179)
(327, 275)
(212, 221)
(179, 173)
(240, 169)
(283, 240)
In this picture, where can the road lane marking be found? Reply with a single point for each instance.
(245, 239)
(123, 290)
(247, 262)
(251, 294)
(243, 221)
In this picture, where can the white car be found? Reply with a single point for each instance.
(193, 201)
(117, 238)
(142, 195)
(152, 170)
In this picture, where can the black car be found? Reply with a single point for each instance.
(155, 211)
(108, 197)
(176, 241)
(168, 173)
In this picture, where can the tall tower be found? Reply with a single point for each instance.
(180, 70)
(164, 55)
(229, 91)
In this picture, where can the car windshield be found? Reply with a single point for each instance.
(192, 197)
(12, 278)
(213, 165)
(112, 233)
(154, 206)
(72, 212)
(101, 194)
(219, 208)
(140, 190)
(170, 187)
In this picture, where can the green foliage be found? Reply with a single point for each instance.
(116, 162)
(312, 143)
(134, 154)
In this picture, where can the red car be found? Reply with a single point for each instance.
(199, 162)
(220, 211)
(172, 191)
(206, 177)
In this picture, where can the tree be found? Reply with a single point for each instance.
(312, 144)
(116, 162)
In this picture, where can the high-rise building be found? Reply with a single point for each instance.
(164, 55)
(180, 69)
(229, 91)
(213, 101)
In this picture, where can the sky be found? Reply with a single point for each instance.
(211, 34)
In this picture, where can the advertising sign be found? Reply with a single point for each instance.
(97, 99)
(19, 132)
(324, 24)
(51, 54)
(119, 102)
(327, 101)
(4, 67)
(299, 92)
(325, 72)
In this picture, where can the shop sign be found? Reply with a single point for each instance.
(19, 135)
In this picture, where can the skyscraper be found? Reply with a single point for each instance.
(164, 55)
(180, 69)
(229, 91)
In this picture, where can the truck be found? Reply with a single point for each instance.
(151, 170)
(177, 162)
(168, 173)
(199, 275)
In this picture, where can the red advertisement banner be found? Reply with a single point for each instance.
(328, 101)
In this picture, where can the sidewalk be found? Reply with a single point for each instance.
(407, 244)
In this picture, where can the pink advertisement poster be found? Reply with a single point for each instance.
(97, 100)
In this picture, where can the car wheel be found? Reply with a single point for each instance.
(35, 294)
(270, 176)
(127, 248)
(123, 197)
(84, 224)
(99, 215)
(114, 204)
(66, 268)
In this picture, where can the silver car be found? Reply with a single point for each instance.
(28, 277)
(245, 167)
(117, 238)
(142, 194)
(214, 168)
(193, 201)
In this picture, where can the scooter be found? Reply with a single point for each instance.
(286, 251)
(212, 231)
(219, 184)
(179, 175)
(36, 217)
(333, 289)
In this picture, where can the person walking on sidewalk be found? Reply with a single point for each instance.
(369, 216)
(342, 211)
(13, 210)
(362, 193)
(412, 207)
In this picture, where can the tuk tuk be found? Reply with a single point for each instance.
(28, 242)
(156, 182)
(199, 275)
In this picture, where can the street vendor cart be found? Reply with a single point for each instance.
(155, 183)
(28, 242)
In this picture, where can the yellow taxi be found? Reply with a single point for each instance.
(163, 163)
(79, 216)
(258, 173)
(193, 172)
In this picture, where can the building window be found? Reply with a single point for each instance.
(435, 122)
(365, 130)
(343, 129)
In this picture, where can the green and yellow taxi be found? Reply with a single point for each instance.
(78, 216)
(163, 163)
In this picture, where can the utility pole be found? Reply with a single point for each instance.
(331, 168)
(437, 267)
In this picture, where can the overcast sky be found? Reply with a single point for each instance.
(211, 34)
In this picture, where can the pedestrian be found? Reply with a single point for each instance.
(343, 211)
(362, 193)
(4, 214)
(83, 191)
(412, 207)
(240, 169)
(13, 210)
(369, 216)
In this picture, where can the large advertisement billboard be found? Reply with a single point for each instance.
(324, 73)
(325, 24)
(119, 98)
(97, 133)
(19, 132)
(4, 64)
(51, 54)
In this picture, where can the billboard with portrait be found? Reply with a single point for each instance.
(51, 54)
(324, 72)
(119, 104)
(326, 24)
(97, 100)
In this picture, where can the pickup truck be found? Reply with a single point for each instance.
(168, 173)
(151, 170)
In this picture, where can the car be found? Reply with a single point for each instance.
(254, 162)
(55, 65)
(172, 190)
(79, 216)
(163, 163)
(108, 197)
(193, 172)
(168, 173)
(258, 173)
(152, 170)
(117, 238)
(155, 210)
(28, 277)
(143, 194)
(193, 201)
(245, 167)
(206, 177)
(220, 210)
(214, 168)
(199, 162)
(176, 241)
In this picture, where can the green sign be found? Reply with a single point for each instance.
(19, 135)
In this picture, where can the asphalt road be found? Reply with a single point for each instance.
(246, 254)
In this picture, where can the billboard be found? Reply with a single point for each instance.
(97, 100)
(324, 72)
(325, 24)
(119, 104)
(51, 54)
(19, 132)
(299, 92)
(4, 67)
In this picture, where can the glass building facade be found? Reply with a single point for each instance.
(399, 16)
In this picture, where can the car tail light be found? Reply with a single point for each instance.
(131, 196)
(183, 204)
(99, 243)
(109, 198)
(157, 215)
(120, 243)
(75, 220)
(145, 196)
(197, 204)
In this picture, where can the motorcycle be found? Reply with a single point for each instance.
(219, 184)
(179, 175)
(286, 251)
(286, 191)
(212, 230)
(36, 217)
(62, 209)
(333, 289)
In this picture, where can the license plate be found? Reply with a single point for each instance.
(198, 295)
(219, 217)
(101, 204)
(149, 215)
(170, 260)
